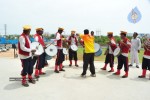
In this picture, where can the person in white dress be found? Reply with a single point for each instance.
(135, 49)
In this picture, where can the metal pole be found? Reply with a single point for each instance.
(5, 27)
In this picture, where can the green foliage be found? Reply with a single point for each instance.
(102, 40)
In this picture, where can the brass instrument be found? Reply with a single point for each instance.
(146, 41)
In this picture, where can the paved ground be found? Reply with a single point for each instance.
(70, 86)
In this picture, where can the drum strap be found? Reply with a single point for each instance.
(40, 39)
(59, 42)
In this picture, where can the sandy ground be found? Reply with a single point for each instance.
(8, 54)
(69, 85)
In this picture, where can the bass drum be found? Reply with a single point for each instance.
(38, 47)
(98, 50)
(47, 57)
(50, 51)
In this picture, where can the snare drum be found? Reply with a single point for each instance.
(38, 47)
(74, 47)
(117, 52)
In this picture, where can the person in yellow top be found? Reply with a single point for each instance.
(88, 57)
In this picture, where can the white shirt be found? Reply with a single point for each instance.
(73, 41)
(22, 47)
(110, 50)
(58, 38)
(135, 44)
(36, 39)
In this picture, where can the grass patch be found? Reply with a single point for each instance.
(102, 57)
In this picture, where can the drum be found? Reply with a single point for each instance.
(97, 47)
(38, 47)
(98, 50)
(47, 57)
(117, 52)
(50, 51)
(74, 47)
(65, 51)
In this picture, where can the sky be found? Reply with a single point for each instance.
(102, 15)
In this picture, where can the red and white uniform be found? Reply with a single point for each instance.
(124, 49)
(59, 41)
(74, 40)
(113, 45)
(25, 57)
(39, 38)
(24, 47)
(41, 58)
(147, 54)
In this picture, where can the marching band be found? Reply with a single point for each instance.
(37, 53)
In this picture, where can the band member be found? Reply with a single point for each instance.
(92, 33)
(146, 60)
(124, 45)
(82, 42)
(41, 58)
(25, 54)
(60, 55)
(88, 56)
(72, 40)
(109, 52)
(135, 49)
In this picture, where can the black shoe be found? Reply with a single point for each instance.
(141, 76)
(93, 75)
(63, 66)
(111, 71)
(36, 76)
(25, 84)
(62, 70)
(70, 65)
(42, 73)
(83, 75)
(137, 66)
(130, 65)
(56, 71)
(124, 76)
(77, 65)
(32, 81)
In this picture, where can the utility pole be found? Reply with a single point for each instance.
(5, 27)
(98, 32)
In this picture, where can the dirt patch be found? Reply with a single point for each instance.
(9, 53)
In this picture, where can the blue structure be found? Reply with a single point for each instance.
(4, 41)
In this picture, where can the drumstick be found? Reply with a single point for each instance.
(50, 43)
